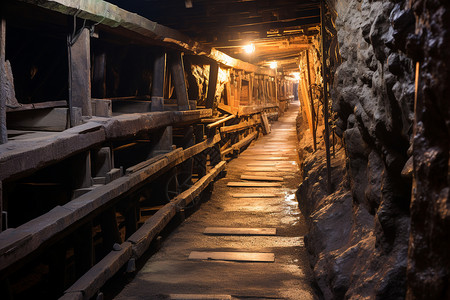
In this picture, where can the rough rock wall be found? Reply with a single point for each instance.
(429, 252)
(373, 96)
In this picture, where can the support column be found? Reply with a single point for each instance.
(163, 141)
(3, 132)
(80, 77)
(1, 206)
(212, 84)
(177, 69)
(159, 75)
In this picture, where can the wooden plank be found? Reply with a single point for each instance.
(260, 169)
(199, 297)
(265, 123)
(244, 142)
(254, 195)
(40, 105)
(268, 158)
(159, 75)
(52, 119)
(232, 256)
(239, 231)
(221, 121)
(212, 84)
(263, 173)
(261, 164)
(80, 76)
(177, 68)
(261, 178)
(253, 184)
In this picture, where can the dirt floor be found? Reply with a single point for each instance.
(170, 272)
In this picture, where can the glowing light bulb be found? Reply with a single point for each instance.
(250, 48)
(273, 65)
(296, 75)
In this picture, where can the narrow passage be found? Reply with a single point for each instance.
(246, 241)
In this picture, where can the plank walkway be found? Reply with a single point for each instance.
(195, 264)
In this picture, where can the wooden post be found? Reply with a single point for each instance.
(200, 159)
(250, 89)
(177, 69)
(80, 77)
(311, 100)
(212, 84)
(163, 141)
(110, 230)
(325, 95)
(3, 132)
(159, 75)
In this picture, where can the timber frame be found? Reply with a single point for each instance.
(102, 160)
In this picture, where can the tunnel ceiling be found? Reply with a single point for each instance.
(279, 30)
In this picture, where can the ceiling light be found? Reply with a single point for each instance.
(273, 65)
(250, 48)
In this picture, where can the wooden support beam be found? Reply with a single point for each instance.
(3, 131)
(1, 206)
(221, 121)
(163, 141)
(80, 76)
(99, 76)
(159, 75)
(84, 249)
(177, 68)
(212, 84)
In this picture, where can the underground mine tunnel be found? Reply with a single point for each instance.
(224, 149)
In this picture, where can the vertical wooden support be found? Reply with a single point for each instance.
(80, 77)
(81, 171)
(237, 94)
(187, 166)
(311, 100)
(325, 94)
(177, 69)
(3, 132)
(131, 216)
(159, 76)
(212, 84)
(250, 89)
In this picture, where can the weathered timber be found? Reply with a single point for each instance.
(97, 276)
(17, 243)
(164, 140)
(199, 297)
(239, 231)
(177, 68)
(261, 178)
(3, 131)
(220, 122)
(159, 75)
(80, 75)
(52, 119)
(40, 105)
(237, 127)
(265, 123)
(212, 84)
(151, 161)
(232, 256)
(253, 195)
(21, 156)
(253, 184)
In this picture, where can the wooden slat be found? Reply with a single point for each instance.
(253, 184)
(247, 140)
(268, 158)
(199, 297)
(260, 169)
(261, 178)
(239, 231)
(261, 164)
(254, 195)
(233, 256)
(221, 121)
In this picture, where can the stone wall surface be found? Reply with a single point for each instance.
(359, 234)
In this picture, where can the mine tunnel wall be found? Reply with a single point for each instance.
(383, 232)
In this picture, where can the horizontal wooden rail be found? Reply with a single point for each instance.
(237, 127)
(221, 121)
(136, 245)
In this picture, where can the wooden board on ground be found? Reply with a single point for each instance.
(266, 157)
(254, 195)
(261, 164)
(265, 173)
(261, 178)
(239, 231)
(260, 169)
(198, 297)
(253, 184)
(233, 256)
